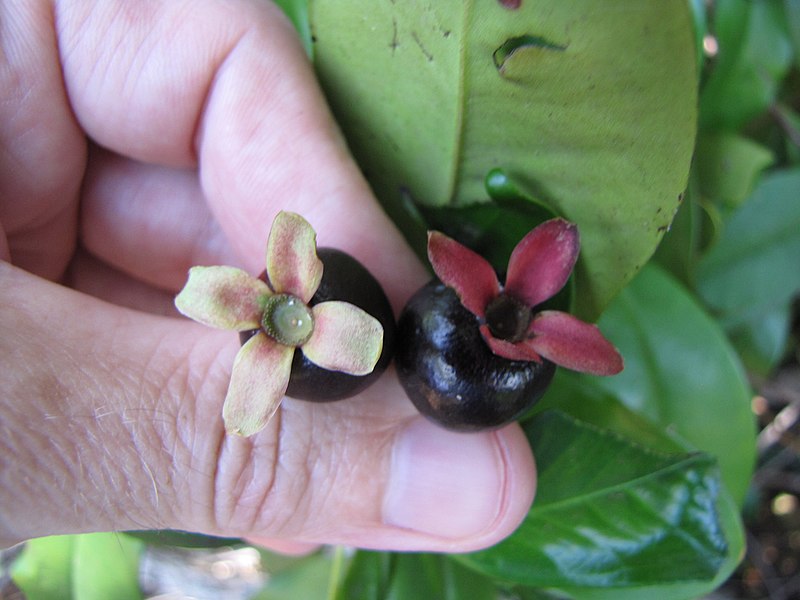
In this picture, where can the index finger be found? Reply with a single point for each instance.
(226, 86)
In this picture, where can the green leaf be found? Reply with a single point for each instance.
(586, 400)
(763, 341)
(183, 539)
(790, 122)
(583, 398)
(750, 276)
(387, 576)
(368, 576)
(700, 29)
(792, 9)
(297, 11)
(492, 229)
(754, 266)
(434, 95)
(668, 591)
(305, 578)
(85, 567)
(610, 513)
(681, 373)
(755, 53)
(728, 167)
(106, 565)
(44, 569)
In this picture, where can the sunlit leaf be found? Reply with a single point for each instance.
(106, 565)
(44, 569)
(433, 96)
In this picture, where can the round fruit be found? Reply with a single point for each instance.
(347, 280)
(449, 372)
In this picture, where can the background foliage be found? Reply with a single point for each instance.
(639, 121)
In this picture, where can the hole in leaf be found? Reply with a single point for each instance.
(512, 45)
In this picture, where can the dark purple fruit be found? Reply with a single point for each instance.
(344, 279)
(450, 374)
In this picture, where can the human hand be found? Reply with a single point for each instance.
(137, 140)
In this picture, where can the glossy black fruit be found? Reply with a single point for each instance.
(345, 279)
(450, 374)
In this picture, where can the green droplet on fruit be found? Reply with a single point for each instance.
(287, 320)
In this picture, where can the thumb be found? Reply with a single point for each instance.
(111, 421)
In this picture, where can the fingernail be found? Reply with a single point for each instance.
(444, 484)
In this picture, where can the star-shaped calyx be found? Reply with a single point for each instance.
(334, 335)
(507, 315)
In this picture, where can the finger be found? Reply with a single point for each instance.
(149, 221)
(42, 149)
(285, 152)
(121, 411)
(240, 100)
(96, 278)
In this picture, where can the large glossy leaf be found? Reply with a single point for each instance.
(682, 390)
(590, 105)
(751, 275)
(583, 398)
(681, 373)
(611, 514)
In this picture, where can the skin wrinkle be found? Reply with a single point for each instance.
(118, 486)
(144, 429)
(172, 454)
(204, 446)
(270, 510)
(353, 465)
(236, 471)
(29, 450)
(180, 447)
(210, 87)
(68, 397)
(504, 460)
(298, 467)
